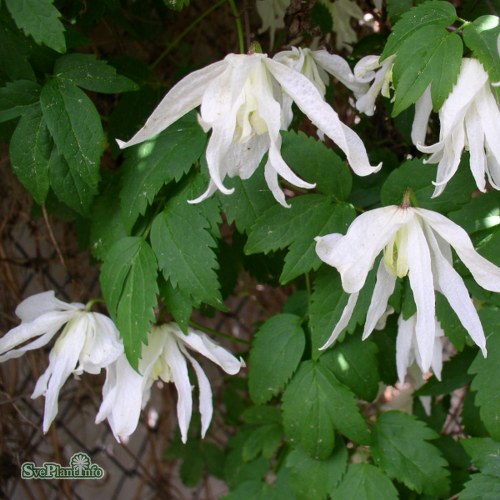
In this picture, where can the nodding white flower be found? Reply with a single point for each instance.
(342, 11)
(241, 101)
(407, 349)
(272, 14)
(126, 391)
(470, 119)
(88, 342)
(416, 243)
(317, 64)
(370, 69)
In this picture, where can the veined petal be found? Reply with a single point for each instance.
(405, 355)
(36, 305)
(384, 287)
(182, 98)
(199, 342)
(311, 103)
(62, 361)
(423, 108)
(354, 254)
(343, 321)
(45, 326)
(452, 286)
(484, 272)
(206, 407)
(421, 282)
(178, 367)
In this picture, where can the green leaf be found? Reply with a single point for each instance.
(481, 37)
(154, 163)
(89, 73)
(314, 404)
(40, 19)
(14, 50)
(251, 199)
(106, 225)
(178, 303)
(262, 415)
(438, 14)
(177, 5)
(354, 363)
(485, 454)
(128, 282)
(401, 450)
(315, 479)
(30, 149)
(75, 126)
(314, 162)
(487, 373)
(471, 419)
(276, 228)
(481, 487)
(396, 8)
(482, 212)
(183, 245)
(418, 176)
(17, 97)
(69, 185)
(262, 440)
(436, 57)
(365, 482)
(276, 352)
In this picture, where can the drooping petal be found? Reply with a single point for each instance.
(452, 286)
(62, 361)
(36, 305)
(311, 103)
(44, 327)
(484, 272)
(384, 287)
(180, 377)
(437, 358)
(354, 254)
(423, 109)
(421, 282)
(404, 346)
(343, 321)
(243, 159)
(271, 177)
(206, 407)
(475, 140)
(182, 98)
(199, 342)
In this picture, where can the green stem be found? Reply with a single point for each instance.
(90, 303)
(239, 26)
(206, 329)
(175, 42)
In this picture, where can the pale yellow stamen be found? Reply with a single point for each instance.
(396, 253)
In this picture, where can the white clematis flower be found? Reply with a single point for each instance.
(416, 243)
(89, 341)
(272, 14)
(126, 392)
(342, 11)
(407, 350)
(241, 101)
(470, 119)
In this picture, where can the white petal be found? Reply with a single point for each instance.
(243, 159)
(311, 103)
(381, 293)
(453, 288)
(475, 139)
(45, 326)
(364, 71)
(423, 108)
(354, 254)
(62, 361)
(182, 98)
(421, 282)
(36, 305)
(343, 321)
(206, 407)
(404, 346)
(271, 177)
(199, 342)
(177, 364)
(483, 271)
(437, 358)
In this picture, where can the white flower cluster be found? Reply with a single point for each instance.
(90, 341)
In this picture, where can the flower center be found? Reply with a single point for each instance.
(162, 370)
(396, 253)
